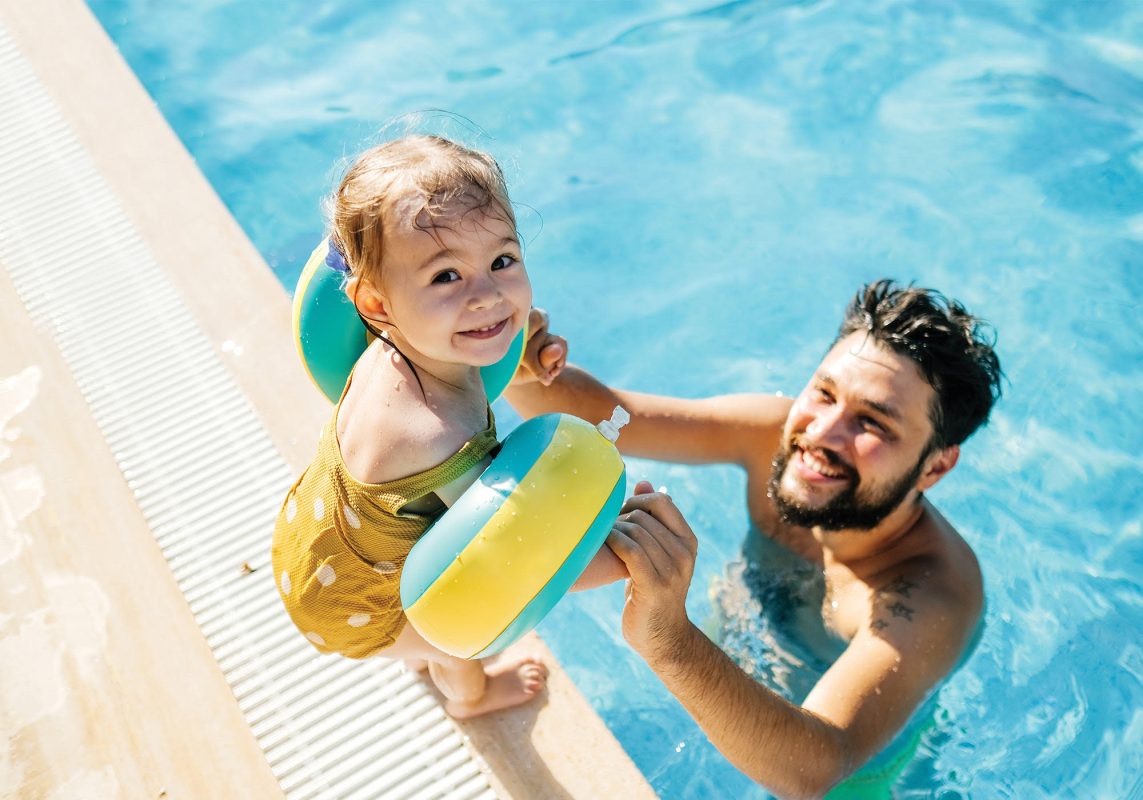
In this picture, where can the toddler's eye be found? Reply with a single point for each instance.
(448, 276)
(503, 262)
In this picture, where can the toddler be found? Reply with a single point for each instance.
(436, 273)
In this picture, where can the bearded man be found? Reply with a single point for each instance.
(838, 477)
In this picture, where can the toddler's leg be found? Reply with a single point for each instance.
(472, 688)
(479, 687)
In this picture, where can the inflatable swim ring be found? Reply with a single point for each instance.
(512, 545)
(330, 336)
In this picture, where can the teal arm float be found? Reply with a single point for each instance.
(330, 336)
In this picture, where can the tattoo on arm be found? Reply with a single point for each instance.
(901, 586)
(899, 609)
(889, 605)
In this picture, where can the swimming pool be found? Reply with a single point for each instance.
(710, 183)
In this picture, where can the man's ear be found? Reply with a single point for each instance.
(369, 302)
(937, 465)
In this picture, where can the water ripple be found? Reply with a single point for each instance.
(717, 19)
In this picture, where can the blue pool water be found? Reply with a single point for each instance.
(705, 185)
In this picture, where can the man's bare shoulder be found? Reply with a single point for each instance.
(932, 597)
(923, 613)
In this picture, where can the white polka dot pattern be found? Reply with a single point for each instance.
(358, 620)
(319, 508)
(291, 509)
(286, 585)
(351, 517)
(316, 638)
(325, 575)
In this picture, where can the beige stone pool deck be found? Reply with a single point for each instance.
(125, 669)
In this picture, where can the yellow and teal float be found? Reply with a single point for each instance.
(500, 558)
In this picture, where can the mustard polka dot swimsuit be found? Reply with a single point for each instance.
(339, 545)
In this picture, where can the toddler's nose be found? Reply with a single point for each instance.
(483, 293)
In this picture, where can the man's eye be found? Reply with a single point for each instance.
(872, 424)
(823, 395)
(503, 262)
(448, 276)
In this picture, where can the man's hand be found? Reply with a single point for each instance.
(657, 545)
(545, 353)
(790, 752)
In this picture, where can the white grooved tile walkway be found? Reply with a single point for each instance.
(203, 471)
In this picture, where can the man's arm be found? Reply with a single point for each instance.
(739, 429)
(726, 429)
(861, 702)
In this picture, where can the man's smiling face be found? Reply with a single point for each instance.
(856, 440)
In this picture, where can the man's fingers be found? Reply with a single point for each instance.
(631, 553)
(652, 551)
(655, 542)
(545, 354)
(554, 354)
(537, 320)
(665, 512)
(658, 537)
(537, 335)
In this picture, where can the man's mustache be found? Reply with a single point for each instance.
(800, 442)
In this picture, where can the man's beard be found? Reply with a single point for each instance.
(847, 510)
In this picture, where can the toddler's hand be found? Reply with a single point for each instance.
(545, 354)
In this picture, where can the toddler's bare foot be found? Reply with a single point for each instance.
(511, 682)
(416, 664)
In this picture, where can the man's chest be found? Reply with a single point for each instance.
(846, 603)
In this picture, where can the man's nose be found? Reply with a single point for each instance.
(826, 427)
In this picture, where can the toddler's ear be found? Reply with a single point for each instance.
(369, 302)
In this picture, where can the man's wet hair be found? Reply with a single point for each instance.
(953, 349)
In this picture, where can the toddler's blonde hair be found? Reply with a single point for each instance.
(413, 175)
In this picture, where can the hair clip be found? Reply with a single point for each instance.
(335, 259)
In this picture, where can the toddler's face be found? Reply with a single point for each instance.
(457, 292)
